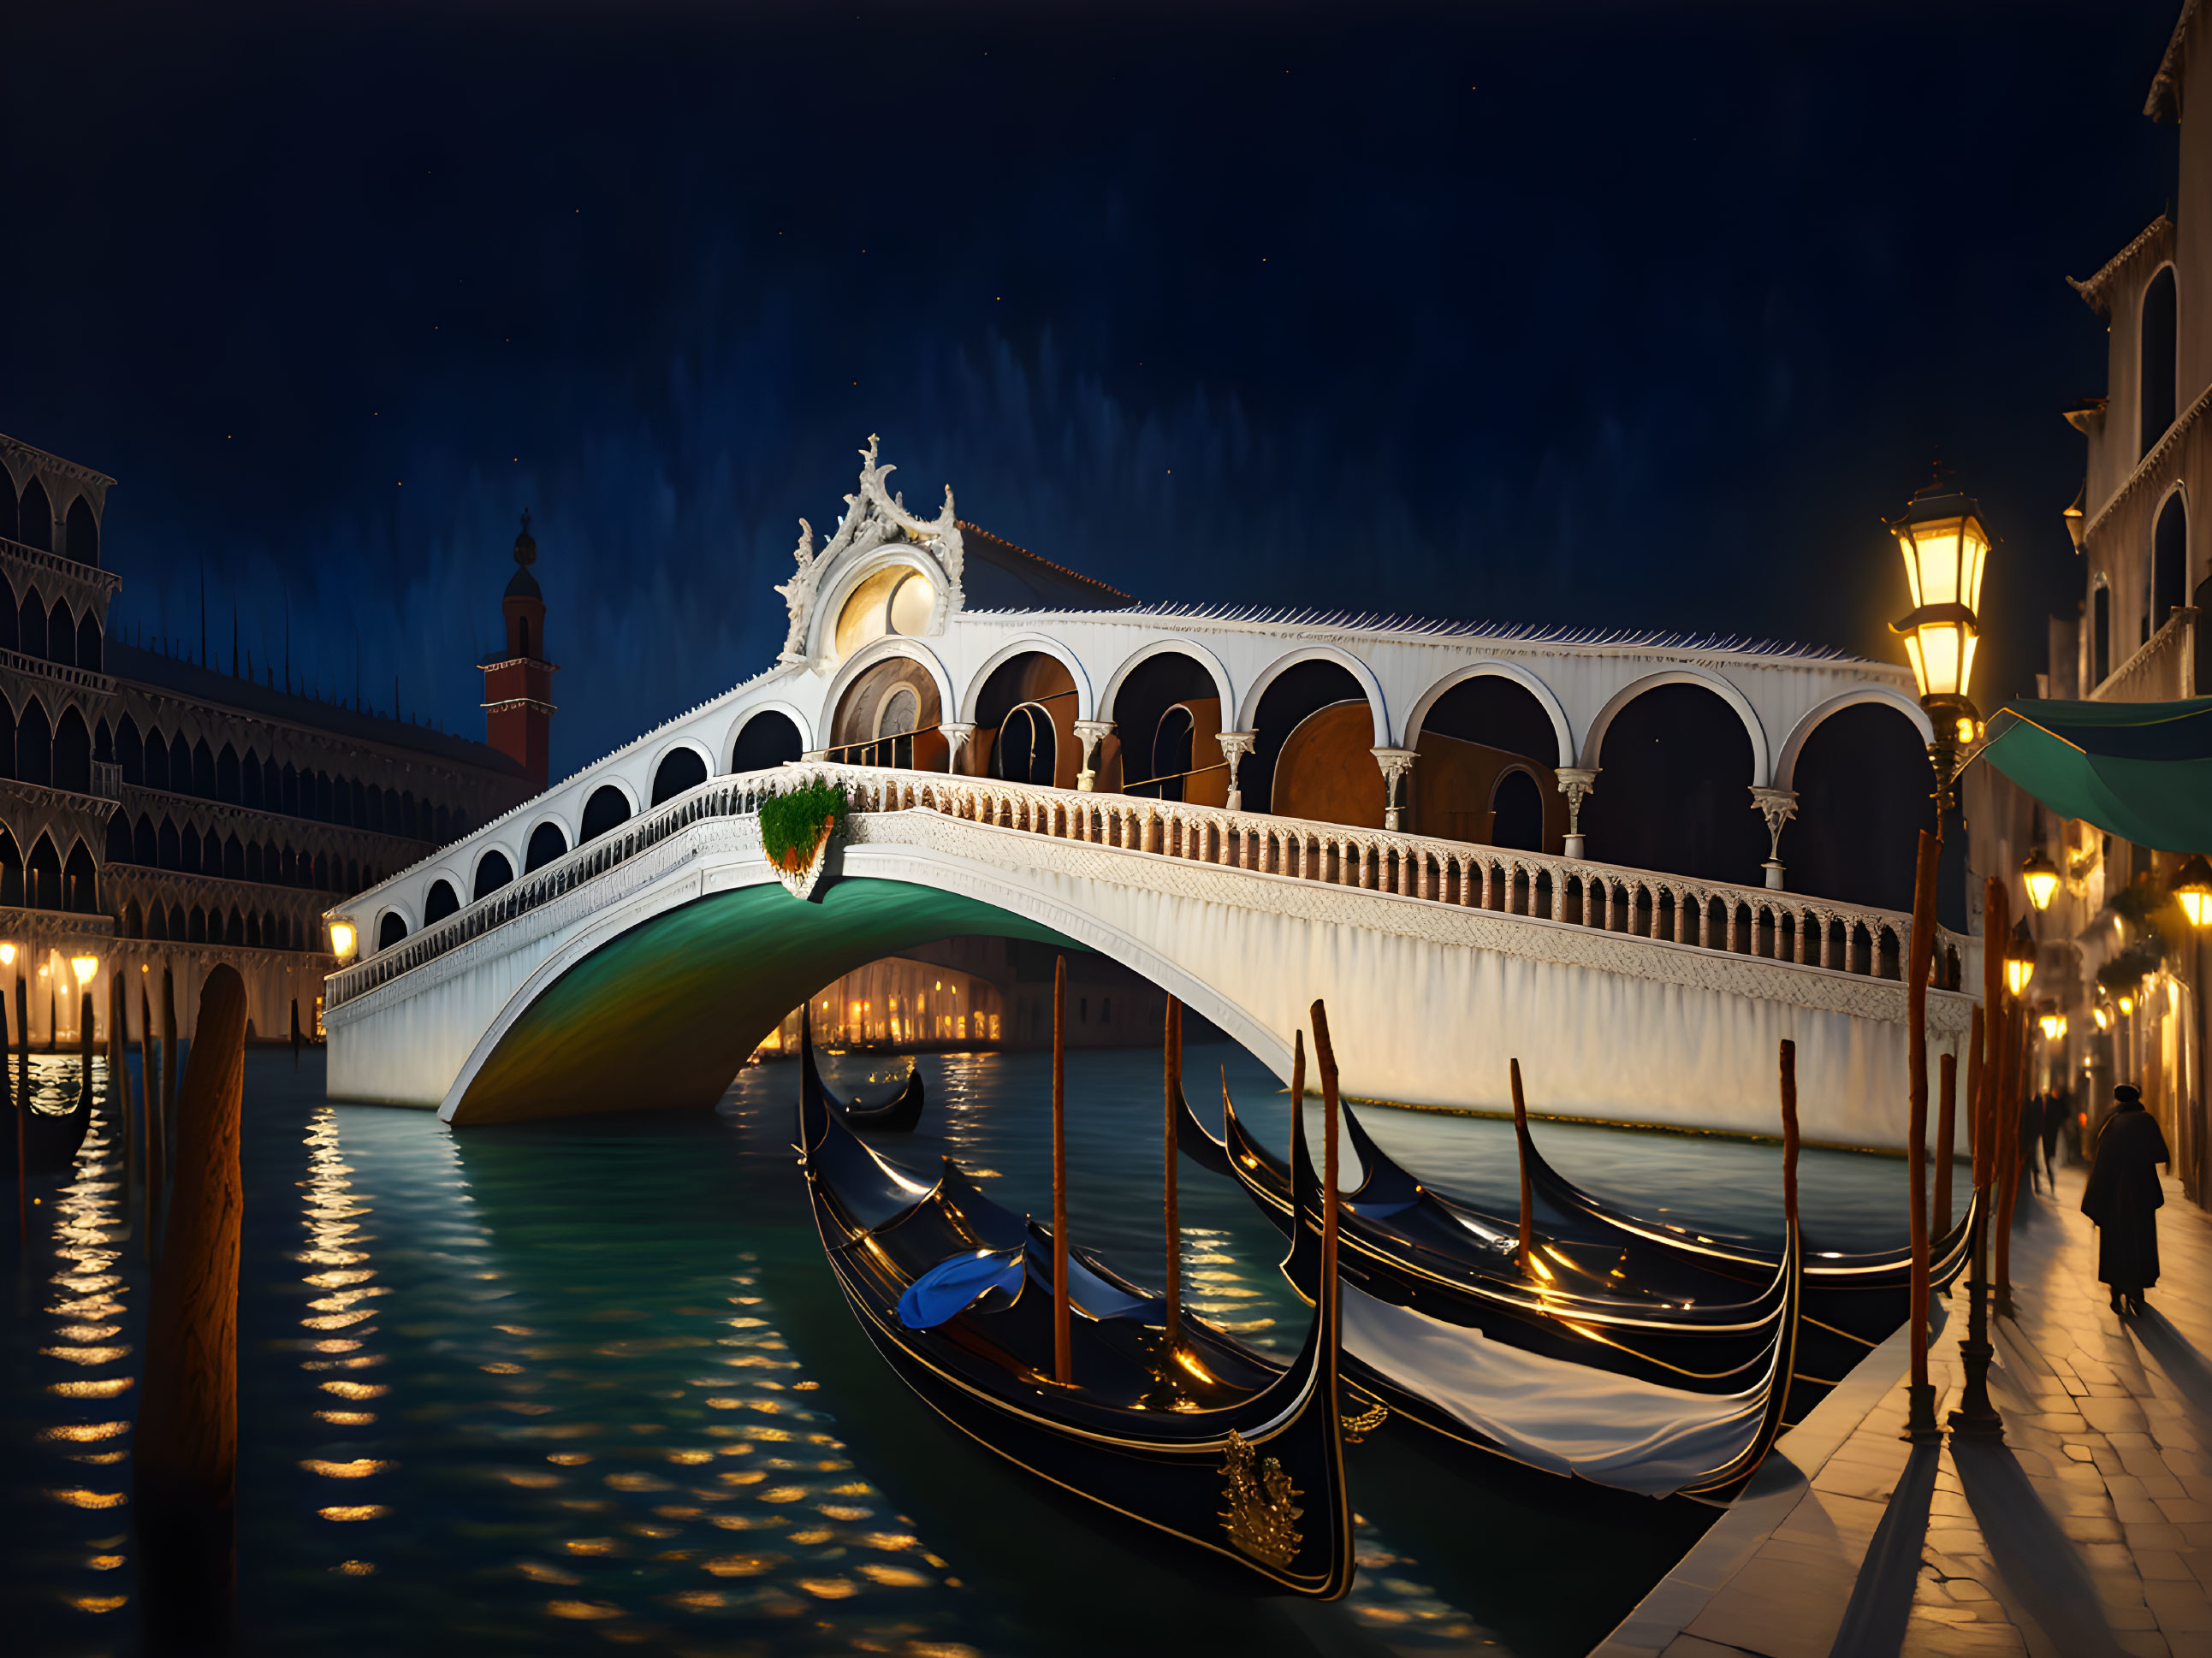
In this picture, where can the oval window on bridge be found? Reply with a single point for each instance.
(893, 601)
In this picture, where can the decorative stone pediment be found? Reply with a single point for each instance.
(875, 518)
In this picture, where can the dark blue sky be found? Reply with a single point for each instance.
(1642, 316)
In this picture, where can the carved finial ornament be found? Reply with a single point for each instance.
(873, 517)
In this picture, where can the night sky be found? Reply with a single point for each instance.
(1642, 316)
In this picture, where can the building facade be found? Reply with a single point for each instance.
(2115, 960)
(157, 811)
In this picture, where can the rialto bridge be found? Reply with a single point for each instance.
(1635, 861)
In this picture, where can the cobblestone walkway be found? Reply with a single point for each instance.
(2087, 1531)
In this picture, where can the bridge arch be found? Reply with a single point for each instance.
(393, 924)
(1175, 647)
(743, 722)
(612, 802)
(1785, 769)
(1025, 645)
(683, 990)
(884, 650)
(1594, 739)
(672, 776)
(1562, 730)
(824, 621)
(1377, 704)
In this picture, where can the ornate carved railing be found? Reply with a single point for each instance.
(1671, 909)
(2163, 671)
(83, 678)
(59, 564)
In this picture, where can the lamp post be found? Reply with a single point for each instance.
(2040, 877)
(2192, 890)
(1945, 549)
(343, 939)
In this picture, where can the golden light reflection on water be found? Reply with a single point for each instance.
(339, 1267)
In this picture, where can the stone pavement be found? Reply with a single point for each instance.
(2087, 1533)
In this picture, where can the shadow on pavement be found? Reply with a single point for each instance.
(2036, 1559)
(2183, 1366)
(1881, 1599)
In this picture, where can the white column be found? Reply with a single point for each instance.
(1778, 806)
(956, 733)
(1091, 733)
(1396, 764)
(1577, 783)
(1234, 745)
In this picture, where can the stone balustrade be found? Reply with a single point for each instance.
(1669, 910)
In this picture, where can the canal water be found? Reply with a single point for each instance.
(577, 1387)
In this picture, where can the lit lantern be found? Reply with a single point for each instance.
(6, 954)
(343, 938)
(2192, 889)
(2054, 1026)
(2018, 959)
(2041, 876)
(2103, 1017)
(1945, 549)
(84, 967)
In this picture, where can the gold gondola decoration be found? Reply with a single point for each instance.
(1261, 1518)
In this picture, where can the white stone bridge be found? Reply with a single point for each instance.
(1474, 842)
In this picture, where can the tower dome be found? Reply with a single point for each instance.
(525, 546)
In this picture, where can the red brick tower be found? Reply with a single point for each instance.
(518, 679)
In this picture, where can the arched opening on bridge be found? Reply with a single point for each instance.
(767, 739)
(607, 807)
(1167, 715)
(1863, 794)
(547, 843)
(1311, 756)
(889, 716)
(1025, 723)
(439, 902)
(493, 873)
(1675, 791)
(898, 600)
(1478, 736)
(390, 930)
(679, 769)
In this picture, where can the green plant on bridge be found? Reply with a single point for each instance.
(792, 825)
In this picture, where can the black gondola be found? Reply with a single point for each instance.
(1204, 1439)
(1573, 1365)
(896, 1115)
(1852, 1303)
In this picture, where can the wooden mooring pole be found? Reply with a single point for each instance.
(1947, 1128)
(149, 1100)
(1063, 1357)
(1171, 1069)
(119, 1110)
(185, 1449)
(1527, 1253)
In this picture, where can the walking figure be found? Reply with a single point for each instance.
(2123, 1197)
(2030, 1137)
(2057, 1107)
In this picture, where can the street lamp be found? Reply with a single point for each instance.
(84, 967)
(2192, 890)
(1945, 549)
(2054, 1026)
(2018, 959)
(2040, 876)
(343, 938)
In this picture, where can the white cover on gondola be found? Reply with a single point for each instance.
(1568, 1418)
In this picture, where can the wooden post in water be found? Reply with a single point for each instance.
(1947, 1128)
(1063, 1358)
(1171, 1068)
(22, 1151)
(1528, 1249)
(119, 1079)
(185, 1448)
(295, 1033)
(84, 1036)
(1920, 1410)
(1788, 1058)
(149, 1097)
(170, 1068)
(23, 1043)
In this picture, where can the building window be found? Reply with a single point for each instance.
(2100, 635)
(2156, 369)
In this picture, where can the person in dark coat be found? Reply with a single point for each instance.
(2031, 1137)
(2057, 1108)
(2123, 1197)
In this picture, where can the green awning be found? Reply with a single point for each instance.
(2139, 770)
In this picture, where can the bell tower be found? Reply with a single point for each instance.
(518, 679)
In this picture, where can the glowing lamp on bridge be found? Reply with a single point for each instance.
(343, 939)
(2040, 877)
(2192, 889)
(2018, 959)
(6, 954)
(84, 967)
(1945, 549)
